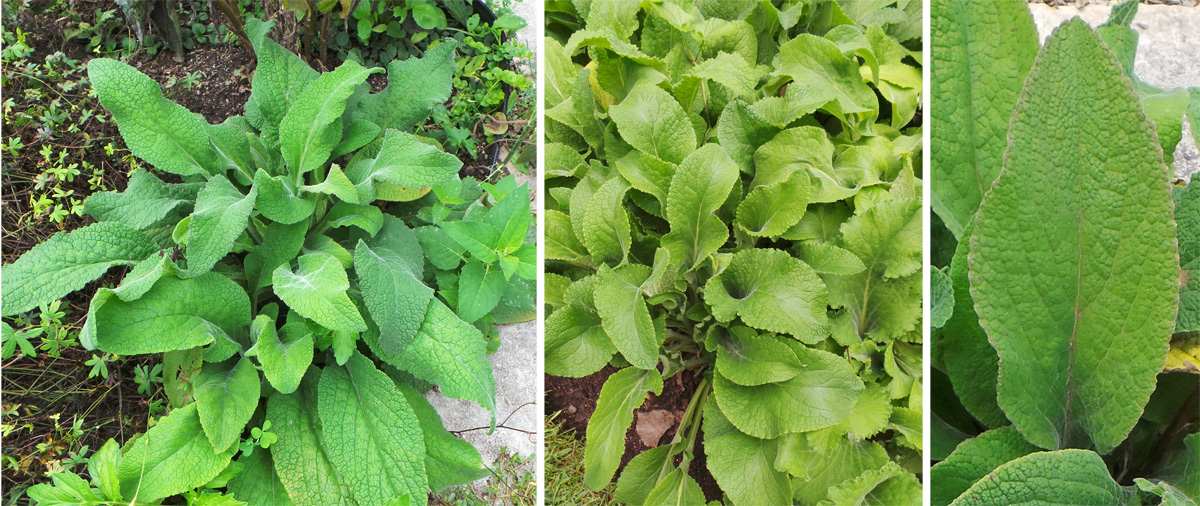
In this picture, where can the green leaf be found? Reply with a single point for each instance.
(104, 467)
(172, 457)
(676, 489)
(143, 203)
(414, 86)
(625, 316)
(389, 269)
(301, 456)
(820, 465)
(744, 466)
(643, 472)
(622, 393)
(278, 79)
(450, 353)
(258, 482)
(886, 486)
(366, 217)
(429, 16)
(768, 211)
(284, 360)
(175, 314)
(967, 356)
(699, 187)
(220, 217)
(68, 261)
(279, 199)
(982, 54)
(576, 344)
(280, 244)
(1187, 216)
(771, 291)
(561, 243)
(650, 120)
(1075, 368)
(941, 306)
(368, 426)
(317, 290)
(973, 459)
(1170, 495)
(887, 237)
(606, 223)
(226, 397)
(312, 126)
(818, 62)
(480, 289)
(1075, 477)
(729, 70)
(751, 360)
(826, 258)
(821, 394)
(481, 239)
(449, 461)
(161, 132)
(336, 183)
(405, 161)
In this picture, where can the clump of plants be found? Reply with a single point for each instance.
(1066, 320)
(735, 194)
(317, 269)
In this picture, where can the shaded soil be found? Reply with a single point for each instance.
(576, 399)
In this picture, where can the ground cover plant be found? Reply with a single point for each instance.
(734, 203)
(316, 270)
(1066, 320)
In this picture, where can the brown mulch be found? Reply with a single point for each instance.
(576, 399)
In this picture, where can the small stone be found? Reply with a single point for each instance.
(571, 409)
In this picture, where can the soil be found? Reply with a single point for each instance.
(575, 400)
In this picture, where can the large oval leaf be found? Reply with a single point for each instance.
(1073, 263)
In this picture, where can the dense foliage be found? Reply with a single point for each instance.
(300, 307)
(1067, 321)
(734, 194)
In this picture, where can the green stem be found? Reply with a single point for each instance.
(693, 419)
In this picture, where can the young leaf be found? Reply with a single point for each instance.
(981, 56)
(143, 203)
(650, 120)
(606, 222)
(625, 316)
(622, 393)
(676, 489)
(1095, 337)
(974, 459)
(389, 269)
(480, 289)
(405, 161)
(284, 360)
(68, 261)
(369, 426)
(279, 199)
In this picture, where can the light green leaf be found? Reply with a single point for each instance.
(336, 183)
(982, 54)
(278, 79)
(973, 459)
(312, 126)
(366, 217)
(414, 86)
(1075, 368)
(280, 244)
(175, 314)
(821, 394)
(731, 71)
(317, 290)
(481, 239)
(284, 360)
(826, 258)
(367, 425)
(650, 120)
(1187, 216)
(751, 360)
(172, 457)
(226, 396)
(818, 62)
(643, 472)
(772, 291)
(820, 461)
(887, 238)
(161, 132)
(941, 305)
(886, 486)
(622, 393)
(676, 489)
(449, 461)
(442, 250)
(699, 187)
(68, 261)
(220, 217)
(1074, 477)
(143, 203)
(561, 243)
(625, 316)
(606, 223)
(104, 467)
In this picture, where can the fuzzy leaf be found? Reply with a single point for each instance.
(772, 291)
(1074, 477)
(317, 290)
(220, 217)
(698, 188)
(172, 457)
(226, 396)
(621, 394)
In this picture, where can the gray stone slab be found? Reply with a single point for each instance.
(1168, 52)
